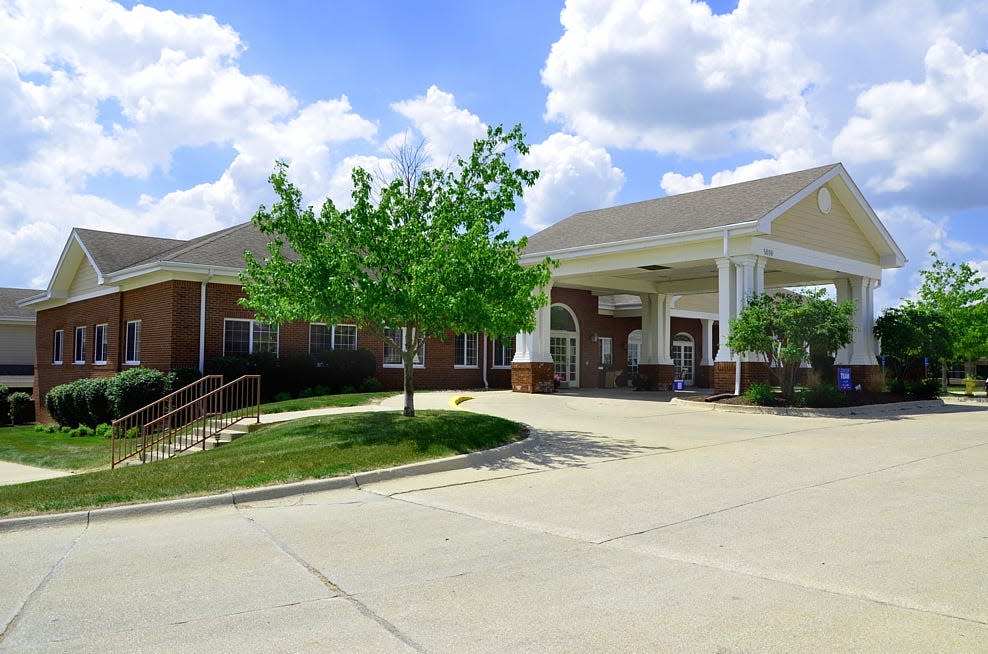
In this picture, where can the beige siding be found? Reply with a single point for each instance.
(17, 344)
(85, 280)
(834, 233)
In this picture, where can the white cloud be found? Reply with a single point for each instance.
(928, 139)
(90, 90)
(448, 130)
(574, 176)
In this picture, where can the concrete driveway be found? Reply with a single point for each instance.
(629, 526)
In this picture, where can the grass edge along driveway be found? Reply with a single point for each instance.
(308, 448)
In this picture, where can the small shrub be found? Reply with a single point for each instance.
(84, 431)
(133, 432)
(40, 427)
(760, 394)
(135, 388)
(182, 377)
(104, 430)
(282, 396)
(371, 385)
(319, 389)
(64, 429)
(821, 396)
(4, 404)
(305, 392)
(231, 367)
(924, 389)
(21, 409)
(896, 386)
(346, 390)
(639, 381)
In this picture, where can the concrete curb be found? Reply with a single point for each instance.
(529, 439)
(876, 410)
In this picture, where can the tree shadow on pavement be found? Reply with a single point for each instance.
(566, 449)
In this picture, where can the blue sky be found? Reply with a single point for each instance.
(166, 118)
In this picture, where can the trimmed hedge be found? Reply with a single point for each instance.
(21, 409)
(96, 400)
(334, 370)
(4, 404)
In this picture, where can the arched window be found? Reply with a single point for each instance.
(683, 357)
(564, 343)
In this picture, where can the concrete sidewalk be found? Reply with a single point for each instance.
(633, 525)
(15, 473)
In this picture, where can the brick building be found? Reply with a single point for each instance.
(647, 287)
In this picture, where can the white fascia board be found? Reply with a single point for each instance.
(637, 244)
(17, 320)
(50, 292)
(765, 222)
(174, 269)
(106, 290)
(92, 262)
(894, 257)
(698, 315)
(707, 249)
(813, 258)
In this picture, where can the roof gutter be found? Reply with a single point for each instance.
(737, 229)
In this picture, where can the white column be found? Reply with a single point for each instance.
(707, 326)
(656, 345)
(665, 329)
(727, 305)
(760, 263)
(862, 343)
(533, 347)
(843, 357)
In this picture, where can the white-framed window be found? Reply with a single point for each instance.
(243, 337)
(466, 351)
(132, 349)
(504, 352)
(99, 344)
(392, 355)
(79, 351)
(56, 346)
(606, 344)
(338, 337)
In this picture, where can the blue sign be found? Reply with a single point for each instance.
(844, 378)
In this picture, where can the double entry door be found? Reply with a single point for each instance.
(562, 347)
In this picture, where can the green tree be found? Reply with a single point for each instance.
(909, 334)
(421, 256)
(957, 293)
(782, 329)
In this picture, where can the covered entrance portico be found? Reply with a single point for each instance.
(681, 268)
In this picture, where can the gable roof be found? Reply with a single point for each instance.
(112, 251)
(721, 206)
(10, 310)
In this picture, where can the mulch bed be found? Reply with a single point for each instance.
(854, 398)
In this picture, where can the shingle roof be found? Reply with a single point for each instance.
(709, 208)
(112, 251)
(8, 302)
(223, 248)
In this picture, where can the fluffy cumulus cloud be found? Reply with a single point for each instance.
(574, 175)
(897, 91)
(91, 92)
(447, 129)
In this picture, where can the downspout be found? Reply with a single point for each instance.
(202, 322)
(484, 374)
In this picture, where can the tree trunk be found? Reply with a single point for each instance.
(409, 388)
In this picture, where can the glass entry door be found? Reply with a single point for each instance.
(682, 357)
(562, 347)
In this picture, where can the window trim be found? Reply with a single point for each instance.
(331, 331)
(460, 357)
(136, 360)
(250, 336)
(79, 346)
(58, 347)
(400, 364)
(505, 364)
(100, 330)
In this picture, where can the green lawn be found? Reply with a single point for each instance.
(310, 448)
(304, 403)
(22, 444)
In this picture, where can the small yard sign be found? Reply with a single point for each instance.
(844, 378)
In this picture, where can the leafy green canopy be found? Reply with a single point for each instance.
(784, 328)
(957, 293)
(424, 253)
(909, 334)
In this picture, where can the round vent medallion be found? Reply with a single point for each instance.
(823, 200)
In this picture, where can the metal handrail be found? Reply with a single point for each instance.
(164, 429)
